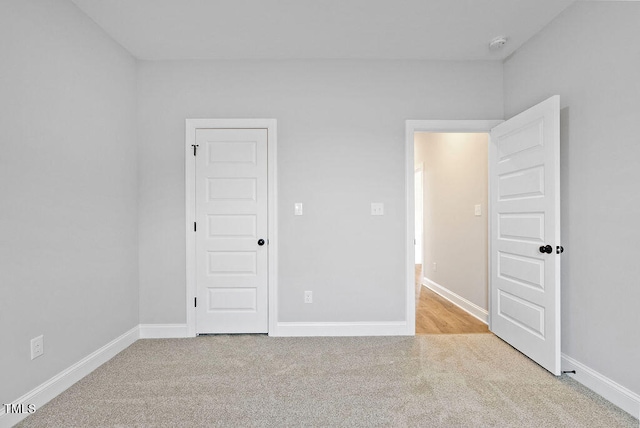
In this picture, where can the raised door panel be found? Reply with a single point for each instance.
(231, 207)
(525, 215)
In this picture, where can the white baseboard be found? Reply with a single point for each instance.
(45, 392)
(461, 302)
(163, 331)
(619, 395)
(292, 329)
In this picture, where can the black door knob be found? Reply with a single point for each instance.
(546, 249)
(261, 242)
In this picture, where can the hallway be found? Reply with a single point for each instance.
(437, 315)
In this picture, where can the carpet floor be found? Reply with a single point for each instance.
(259, 381)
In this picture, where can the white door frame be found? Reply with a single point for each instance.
(411, 127)
(272, 190)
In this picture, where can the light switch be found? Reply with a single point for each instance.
(377, 208)
(478, 210)
(297, 208)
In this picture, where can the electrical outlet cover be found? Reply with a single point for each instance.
(37, 346)
(377, 208)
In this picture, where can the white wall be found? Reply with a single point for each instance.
(590, 56)
(341, 147)
(455, 180)
(68, 212)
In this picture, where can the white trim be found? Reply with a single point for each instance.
(306, 329)
(622, 397)
(410, 256)
(411, 127)
(464, 304)
(190, 215)
(272, 178)
(42, 394)
(272, 174)
(163, 331)
(452, 125)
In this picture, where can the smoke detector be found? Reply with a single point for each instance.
(497, 43)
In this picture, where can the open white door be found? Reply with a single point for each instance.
(524, 165)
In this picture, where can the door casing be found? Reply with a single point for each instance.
(272, 208)
(411, 127)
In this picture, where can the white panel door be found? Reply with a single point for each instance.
(524, 160)
(231, 231)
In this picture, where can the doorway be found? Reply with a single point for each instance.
(451, 232)
(411, 128)
(524, 228)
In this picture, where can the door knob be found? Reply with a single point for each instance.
(546, 249)
(261, 242)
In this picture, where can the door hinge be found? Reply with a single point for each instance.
(194, 226)
(195, 148)
(195, 302)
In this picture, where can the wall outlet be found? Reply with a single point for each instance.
(297, 208)
(37, 346)
(308, 296)
(477, 210)
(435, 266)
(377, 208)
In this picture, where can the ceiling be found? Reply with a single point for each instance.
(320, 29)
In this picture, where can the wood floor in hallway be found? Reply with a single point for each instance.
(437, 315)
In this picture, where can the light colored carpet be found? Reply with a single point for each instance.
(254, 380)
